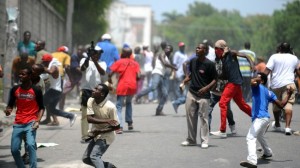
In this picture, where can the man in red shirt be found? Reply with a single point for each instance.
(28, 100)
(128, 71)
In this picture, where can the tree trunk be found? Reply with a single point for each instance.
(69, 24)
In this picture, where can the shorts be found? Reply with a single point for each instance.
(281, 93)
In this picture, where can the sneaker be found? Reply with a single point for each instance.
(25, 158)
(204, 146)
(248, 164)
(86, 140)
(137, 101)
(119, 131)
(44, 122)
(264, 156)
(72, 120)
(175, 106)
(155, 101)
(288, 131)
(277, 129)
(187, 143)
(53, 123)
(130, 127)
(219, 134)
(232, 129)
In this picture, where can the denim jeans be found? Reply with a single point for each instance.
(94, 152)
(181, 94)
(128, 108)
(51, 98)
(214, 99)
(159, 83)
(16, 139)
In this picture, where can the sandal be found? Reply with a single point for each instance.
(53, 123)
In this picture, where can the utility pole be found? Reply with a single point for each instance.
(11, 45)
(69, 24)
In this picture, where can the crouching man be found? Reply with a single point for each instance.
(103, 116)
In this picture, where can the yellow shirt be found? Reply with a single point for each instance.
(103, 110)
(64, 59)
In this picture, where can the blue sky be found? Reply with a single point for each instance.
(245, 7)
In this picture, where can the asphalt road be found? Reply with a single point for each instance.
(155, 143)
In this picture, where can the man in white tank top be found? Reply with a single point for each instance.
(158, 80)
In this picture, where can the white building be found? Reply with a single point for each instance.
(130, 24)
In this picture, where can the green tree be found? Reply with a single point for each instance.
(88, 18)
(286, 24)
(171, 16)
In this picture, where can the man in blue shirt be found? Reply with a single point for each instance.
(27, 45)
(110, 53)
(261, 97)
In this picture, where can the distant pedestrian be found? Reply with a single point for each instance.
(246, 70)
(159, 80)
(260, 118)
(27, 45)
(140, 59)
(260, 65)
(203, 76)
(179, 58)
(19, 63)
(129, 72)
(74, 76)
(28, 101)
(40, 51)
(102, 114)
(110, 52)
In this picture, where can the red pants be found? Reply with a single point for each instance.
(234, 91)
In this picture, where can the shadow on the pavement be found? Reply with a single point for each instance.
(4, 156)
(7, 164)
(131, 131)
(178, 115)
(51, 128)
(40, 160)
(4, 147)
(271, 160)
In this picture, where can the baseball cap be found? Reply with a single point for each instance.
(63, 49)
(106, 36)
(97, 48)
(47, 57)
(180, 44)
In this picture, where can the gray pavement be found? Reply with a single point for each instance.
(155, 143)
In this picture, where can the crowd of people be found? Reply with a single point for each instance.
(107, 81)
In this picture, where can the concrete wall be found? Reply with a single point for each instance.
(43, 22)
(130, 24)
(2, 28)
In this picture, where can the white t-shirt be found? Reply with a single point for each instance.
(178, 60)
(159, 67)
(91, 77)
(148, 61)
(282, 66)
(55, 83)
(211, 54)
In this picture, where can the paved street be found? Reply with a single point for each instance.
(155, 143)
